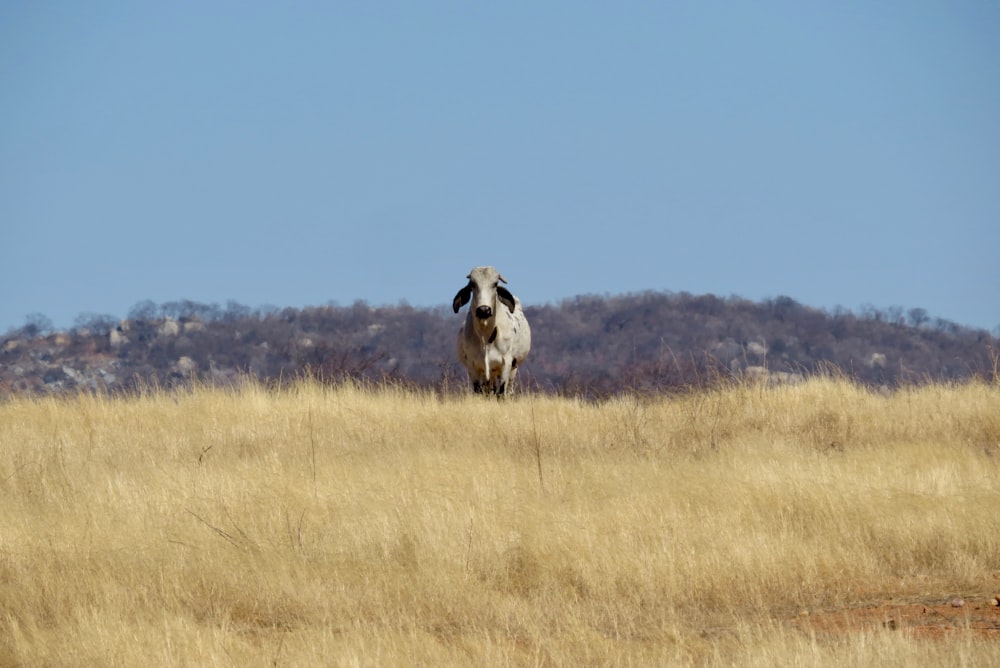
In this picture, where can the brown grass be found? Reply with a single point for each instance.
(353, 526)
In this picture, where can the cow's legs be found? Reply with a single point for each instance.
(504, 381)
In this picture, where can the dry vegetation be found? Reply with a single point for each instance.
(351, 526)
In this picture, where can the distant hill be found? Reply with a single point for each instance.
(589, 346)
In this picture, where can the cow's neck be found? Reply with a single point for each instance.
(486, 329)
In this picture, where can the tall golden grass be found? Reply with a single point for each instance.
(376, 526)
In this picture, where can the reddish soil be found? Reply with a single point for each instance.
(926, 619)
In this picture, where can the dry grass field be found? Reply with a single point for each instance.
(818, 524)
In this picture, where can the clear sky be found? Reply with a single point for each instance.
(298, 153)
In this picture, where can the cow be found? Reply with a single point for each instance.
(495, 338)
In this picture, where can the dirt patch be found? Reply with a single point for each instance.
(923, 619)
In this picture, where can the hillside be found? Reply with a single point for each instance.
(588, 346)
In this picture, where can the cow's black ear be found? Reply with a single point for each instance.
(508, 299)
(462, 297)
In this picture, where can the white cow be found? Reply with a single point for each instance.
(495, 338)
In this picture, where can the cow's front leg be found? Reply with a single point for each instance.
(503, 382)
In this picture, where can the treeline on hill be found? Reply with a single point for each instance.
(590, 346)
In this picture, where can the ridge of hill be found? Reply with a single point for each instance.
(588, 345)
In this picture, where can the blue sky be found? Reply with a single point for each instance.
(295, 153)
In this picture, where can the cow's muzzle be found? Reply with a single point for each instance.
(484, 312)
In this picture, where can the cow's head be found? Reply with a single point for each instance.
(485, 291)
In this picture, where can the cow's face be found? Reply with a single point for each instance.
(484, 290)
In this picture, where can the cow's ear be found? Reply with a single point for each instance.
(462, 297)
(508, 299)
